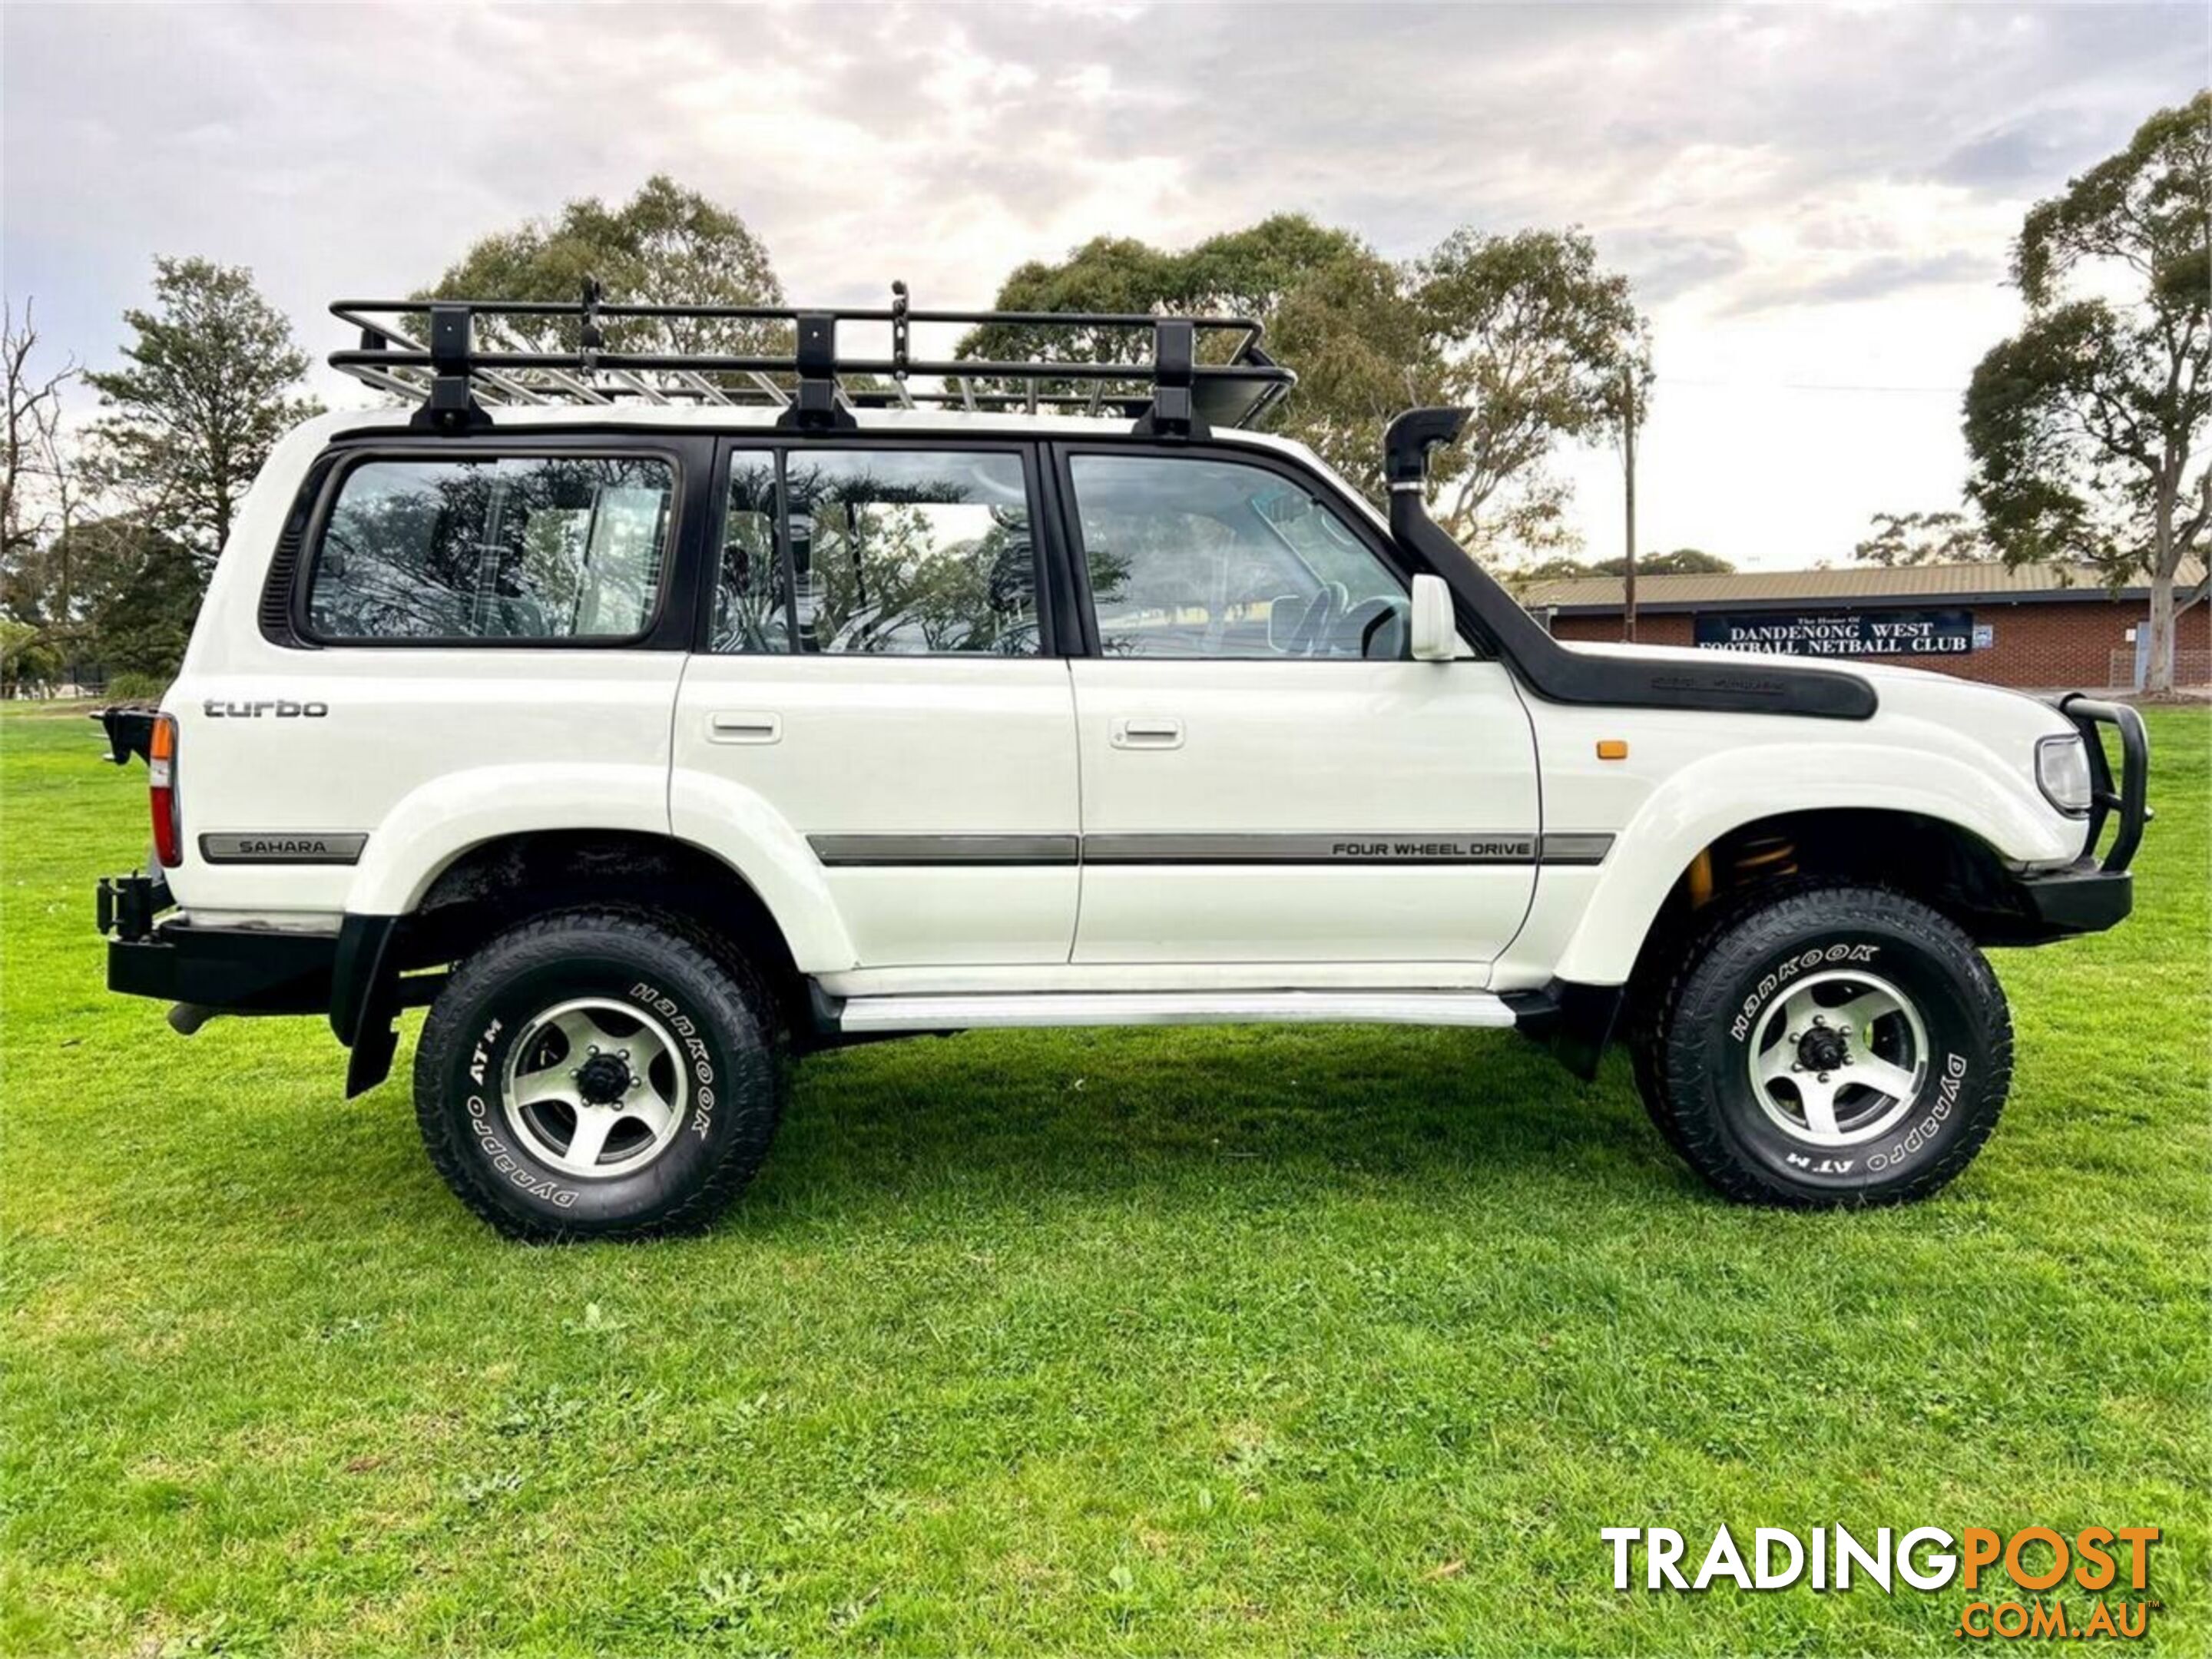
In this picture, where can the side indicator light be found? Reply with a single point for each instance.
(1612, 749)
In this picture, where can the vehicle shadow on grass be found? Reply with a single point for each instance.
(1101, 1113)
(1477, 1119)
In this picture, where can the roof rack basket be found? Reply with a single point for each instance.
(458, 356)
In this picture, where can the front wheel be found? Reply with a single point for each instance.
(1830, 1045)
(599, 1072)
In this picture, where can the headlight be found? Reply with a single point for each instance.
(2062, 772)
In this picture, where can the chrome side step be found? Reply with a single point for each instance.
(862, 1015)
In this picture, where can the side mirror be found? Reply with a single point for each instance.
(1435, 633)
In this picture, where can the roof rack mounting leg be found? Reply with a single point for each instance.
(900, 354)
(1174, 360)
(590, 338)
(452, 405)
(817, 408)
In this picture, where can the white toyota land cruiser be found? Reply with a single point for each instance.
(654, 717)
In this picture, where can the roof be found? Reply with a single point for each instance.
(1872, 584)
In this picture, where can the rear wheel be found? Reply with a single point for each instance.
(599, 1073)
(1828, 1045)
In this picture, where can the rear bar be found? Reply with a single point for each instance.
(2130, 800)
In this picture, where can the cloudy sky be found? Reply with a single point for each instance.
(1814, 204)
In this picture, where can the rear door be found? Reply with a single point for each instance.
(876, 671)
(505, 607)
(1267, 777)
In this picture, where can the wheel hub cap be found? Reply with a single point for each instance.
(595, 1088)
(1822, 1051)
(603, 1079)
(1837, 1059)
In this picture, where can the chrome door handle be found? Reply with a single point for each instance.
(732, 725)
(1148, 732)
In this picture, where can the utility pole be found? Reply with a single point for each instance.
(1628, 476)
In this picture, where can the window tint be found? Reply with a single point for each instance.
(548, 548)
(752, 601)
(888, 552)
(1197, 557)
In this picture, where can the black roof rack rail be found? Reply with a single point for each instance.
(462, 357)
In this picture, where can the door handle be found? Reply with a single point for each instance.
(734, 726)
(1148, 732)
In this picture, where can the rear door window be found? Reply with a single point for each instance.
(878, 552)
(550, 548)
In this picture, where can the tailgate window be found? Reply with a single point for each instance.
(548, 547)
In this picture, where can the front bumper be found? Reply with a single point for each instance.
(2083, 898)
(2093, 894)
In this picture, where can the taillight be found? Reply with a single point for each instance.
(162, 779)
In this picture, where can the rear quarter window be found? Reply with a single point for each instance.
(548, 548)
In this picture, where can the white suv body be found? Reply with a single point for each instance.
(927, 720)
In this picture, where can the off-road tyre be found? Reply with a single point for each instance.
(1694, 1060)
(698, 989)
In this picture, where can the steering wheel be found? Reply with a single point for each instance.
(1310, 637)
(1370, 621)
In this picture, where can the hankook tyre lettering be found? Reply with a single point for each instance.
(1788, 1070)
(599, 1073)
(656, 724)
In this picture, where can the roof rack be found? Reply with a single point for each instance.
(464, 354)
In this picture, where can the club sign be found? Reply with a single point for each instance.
(1840, 632)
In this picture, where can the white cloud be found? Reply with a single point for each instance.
(1815, 204)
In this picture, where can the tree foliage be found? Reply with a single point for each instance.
(208, 386)
(1681, 562)
(667, 245)
(2088, 427)
(1899, 539)
(1528, 330)
(143, 594)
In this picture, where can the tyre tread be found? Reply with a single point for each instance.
(709, 954)
(1803, 904)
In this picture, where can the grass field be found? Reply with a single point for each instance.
(1266, 1341)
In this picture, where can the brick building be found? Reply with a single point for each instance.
(2038, 627)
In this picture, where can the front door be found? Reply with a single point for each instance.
(1265, 775)
(877, 678)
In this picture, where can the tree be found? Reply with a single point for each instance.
(1899, 539)
(1535, 336)
(32, 435)
(146, 597)
(2088, 427)
(25, 655)
(40, 497)
(1528, 329)
(665, 246)
(1683, 562)
(208, 388)
(1246, 272)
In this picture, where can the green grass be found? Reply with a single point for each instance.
(1166, 1342)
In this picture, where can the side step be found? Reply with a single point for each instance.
(863, 1016)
